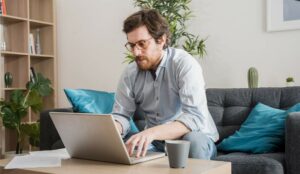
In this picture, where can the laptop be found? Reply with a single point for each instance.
(94, 137)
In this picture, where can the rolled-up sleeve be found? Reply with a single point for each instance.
(124, 106)
(192, 95)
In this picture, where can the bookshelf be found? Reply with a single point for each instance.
(22, 19)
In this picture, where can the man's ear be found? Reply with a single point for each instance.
(162, 40)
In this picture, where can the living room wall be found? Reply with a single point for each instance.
(91, 44)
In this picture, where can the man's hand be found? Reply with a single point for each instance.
(141, 140)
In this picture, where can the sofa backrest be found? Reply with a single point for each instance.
(230, 107)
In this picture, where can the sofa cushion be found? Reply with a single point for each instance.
(262, 132)
(92, 101)
(231, 107)
(243, 163)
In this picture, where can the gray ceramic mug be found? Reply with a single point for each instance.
(178, 152)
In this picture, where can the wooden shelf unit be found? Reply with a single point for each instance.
(24, 17)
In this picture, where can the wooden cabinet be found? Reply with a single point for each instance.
(23, 18)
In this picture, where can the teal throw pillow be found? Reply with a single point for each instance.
(92, 101)
(262, 132)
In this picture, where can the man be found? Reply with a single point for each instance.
(167, 85)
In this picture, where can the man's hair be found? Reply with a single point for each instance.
(156, 24)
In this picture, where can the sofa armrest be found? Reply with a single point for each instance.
(292, 143)
(48, 132)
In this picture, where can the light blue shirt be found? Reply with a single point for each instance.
(177, 93)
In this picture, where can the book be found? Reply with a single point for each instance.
(3, 7)
(38, 49)
(32, 75)
(31, 44)
(0, 7)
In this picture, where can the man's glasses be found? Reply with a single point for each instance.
(140, 45)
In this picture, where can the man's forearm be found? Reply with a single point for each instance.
(173, 130)
(119, 127)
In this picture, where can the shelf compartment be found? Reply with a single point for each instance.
(39, 24)
(11, 89)
(46, 37)
(41, 56)
(10, 53)
(15, 36)
(7, 19)
(41, 10)
(17, 8)
(43, 65)
(18, 67)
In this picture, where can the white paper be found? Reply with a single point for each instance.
(31, 161)
(61, 153)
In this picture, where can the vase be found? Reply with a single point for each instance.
(8, 79)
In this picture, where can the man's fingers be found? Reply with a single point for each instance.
(140, 146)
(141, 141)
(145, 147)
(128, 147)
(131, 143)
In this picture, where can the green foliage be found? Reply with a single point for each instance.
(33, 131)
(177, 13)
(129, 58)
(16, 108)
(290, 79)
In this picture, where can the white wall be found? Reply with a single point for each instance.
(91, 44)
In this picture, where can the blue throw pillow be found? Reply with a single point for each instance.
(91, 101)
(262, 132)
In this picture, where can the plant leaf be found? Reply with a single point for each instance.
(41, 84)
(35, 101)
(129, 58)
(17, 97)
(9, 118)
(32, 130)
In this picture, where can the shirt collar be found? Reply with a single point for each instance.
(164, 58)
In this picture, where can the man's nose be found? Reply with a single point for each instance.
(136, 52)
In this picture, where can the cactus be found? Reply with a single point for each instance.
(252, 78)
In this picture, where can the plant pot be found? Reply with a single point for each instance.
(288, 84)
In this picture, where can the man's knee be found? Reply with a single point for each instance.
(201, 146)
(198, 140)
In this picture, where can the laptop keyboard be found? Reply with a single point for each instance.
(148, 154)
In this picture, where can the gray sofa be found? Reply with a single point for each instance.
(229, 109)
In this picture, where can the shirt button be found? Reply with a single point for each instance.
(157, 98)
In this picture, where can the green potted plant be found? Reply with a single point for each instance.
(177, 13)
(13, 110)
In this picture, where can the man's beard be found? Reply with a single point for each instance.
(142, 63)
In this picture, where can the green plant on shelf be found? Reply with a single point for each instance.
(13, 110)
(290, 79)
